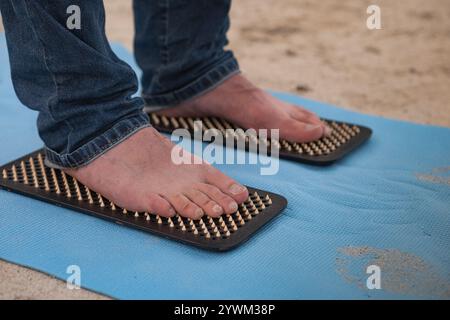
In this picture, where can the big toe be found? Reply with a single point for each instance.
(298, 131)
(304, 115)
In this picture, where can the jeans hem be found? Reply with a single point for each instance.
(97, 146)
(200, 86)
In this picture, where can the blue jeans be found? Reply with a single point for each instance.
(84, 93)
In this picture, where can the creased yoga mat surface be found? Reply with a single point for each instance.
(387, 204)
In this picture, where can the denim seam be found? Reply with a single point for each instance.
(55, 98)
(56, 94)
(65, 159)
(112, 55)
(165, 24)
(174, 98)
(215, 85)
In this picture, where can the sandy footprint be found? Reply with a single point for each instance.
(401, 273)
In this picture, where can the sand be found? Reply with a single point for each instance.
(324, 51)
(321, 50)
(402, 273)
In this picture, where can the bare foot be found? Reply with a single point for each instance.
(247, 106)
(139, 175)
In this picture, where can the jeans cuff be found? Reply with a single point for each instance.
(97, 146)
(203, 84)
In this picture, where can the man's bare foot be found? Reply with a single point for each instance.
(247, 106)
(139, 175)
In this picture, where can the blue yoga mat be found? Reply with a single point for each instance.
(387, 204)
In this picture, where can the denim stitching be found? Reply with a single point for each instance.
(200, 86)
(68, 159)
(165, 32)
(100, 148)
(75, 163)
(56, 94)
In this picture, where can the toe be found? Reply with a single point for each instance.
(158, 205)
(210, 207)
(304, 115)
(185, 207)
(227, 185)
(228, 204)
(297, 131)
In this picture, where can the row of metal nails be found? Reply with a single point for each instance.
(341, 133)
(36, 175)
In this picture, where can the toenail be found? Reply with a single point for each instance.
(198, 214)
(328, 131)
(233, 206)
(311, 127)
(217, 209)
(236, 189)
(172, 212)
